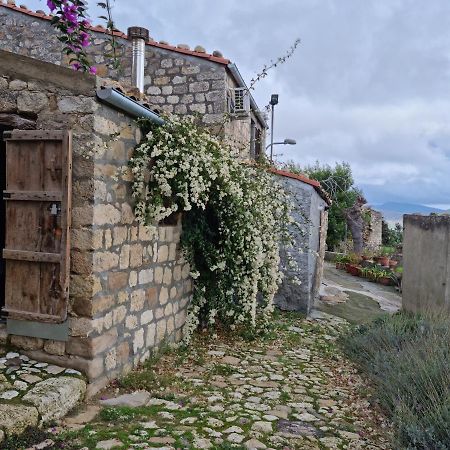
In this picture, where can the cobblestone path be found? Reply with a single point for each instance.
(294, 391)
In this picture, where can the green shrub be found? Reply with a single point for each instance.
(407, 357)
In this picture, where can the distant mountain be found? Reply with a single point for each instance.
(393, 211)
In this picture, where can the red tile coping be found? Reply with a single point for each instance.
(100, 29)
(304, 179)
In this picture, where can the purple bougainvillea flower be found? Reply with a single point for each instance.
(76, 66)
(51, 5)
(93, 70)
(84, 39)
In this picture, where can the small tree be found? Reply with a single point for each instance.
(339, 184)
(391, 236)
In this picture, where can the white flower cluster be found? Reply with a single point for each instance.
(235, 216)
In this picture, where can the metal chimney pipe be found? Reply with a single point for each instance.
(139, 36)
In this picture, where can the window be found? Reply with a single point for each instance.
(238, 101)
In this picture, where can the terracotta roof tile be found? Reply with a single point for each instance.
(304, 179)
(100, 29)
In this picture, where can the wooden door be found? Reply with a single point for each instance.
(38, 212)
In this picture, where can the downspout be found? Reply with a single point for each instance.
(115, 98)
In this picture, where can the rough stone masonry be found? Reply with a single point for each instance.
(177, 80)
(129, 289)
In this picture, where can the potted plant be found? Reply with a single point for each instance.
(367, 255)
(354, 270)
(392, 263)
(385, 278)
(375, 273)
(340, 261)
(384, 256)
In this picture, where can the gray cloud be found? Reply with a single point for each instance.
(368, 85)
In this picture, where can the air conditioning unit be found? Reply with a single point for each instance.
(241, 101)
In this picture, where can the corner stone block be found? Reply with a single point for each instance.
(90, 347)
(102, 303)
(14, 419)
(55, 397)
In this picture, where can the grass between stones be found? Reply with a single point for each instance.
(290, 388)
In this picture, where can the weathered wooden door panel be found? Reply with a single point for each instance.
(38, 194)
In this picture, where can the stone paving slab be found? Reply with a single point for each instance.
(293, 391)
(32, 392)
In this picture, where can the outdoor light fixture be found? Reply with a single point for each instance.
(273, 102)
(285, 142)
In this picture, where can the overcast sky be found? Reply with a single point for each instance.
(369, 83)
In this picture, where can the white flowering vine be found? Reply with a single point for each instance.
(235, 216)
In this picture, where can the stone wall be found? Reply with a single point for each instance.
(174, 82)
(291, 295)
(426, 263)
(373, 229)
(129, 288)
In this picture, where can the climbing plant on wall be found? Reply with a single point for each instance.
(234, 218)
(69, 17)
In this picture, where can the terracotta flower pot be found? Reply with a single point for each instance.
(384, 261)
(393, 263)
(355, 270)
(386, 281)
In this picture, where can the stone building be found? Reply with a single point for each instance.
(177, 79)
(372, 233)
(129, 289)
(301, 283)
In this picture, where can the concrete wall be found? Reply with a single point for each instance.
(292, 296)
(129, 289)
(426, 263)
